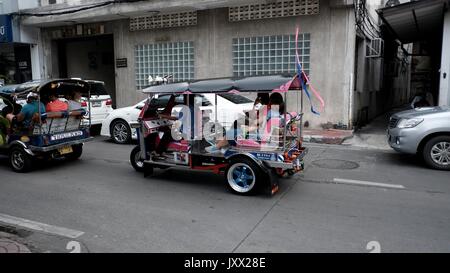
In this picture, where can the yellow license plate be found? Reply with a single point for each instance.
(65, 150)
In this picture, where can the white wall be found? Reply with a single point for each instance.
(332, 53)
(8, 6)
(27, 4)
(444, 89)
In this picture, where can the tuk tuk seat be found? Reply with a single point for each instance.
(57, 122)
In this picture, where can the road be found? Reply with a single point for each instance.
(118, 210)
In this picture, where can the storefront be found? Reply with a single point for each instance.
(15, 57)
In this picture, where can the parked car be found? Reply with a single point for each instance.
(101, 102)
(423, 131)
(117, 124)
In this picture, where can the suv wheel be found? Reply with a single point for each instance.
(436, 153)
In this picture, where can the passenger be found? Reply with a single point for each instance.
(32, 107)
(275, 101)
(74, 101)
(265, 113)
(56, 105)
(232, 134)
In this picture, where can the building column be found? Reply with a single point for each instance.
(444, 89)
(35, 62)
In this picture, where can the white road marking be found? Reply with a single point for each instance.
(20, 222)
(367, 183)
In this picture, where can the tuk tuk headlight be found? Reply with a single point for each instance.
(409, 123)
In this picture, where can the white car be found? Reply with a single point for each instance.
(101, 102)
(229, 107)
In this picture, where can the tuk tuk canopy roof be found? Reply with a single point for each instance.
(250, 84)
(38, 85)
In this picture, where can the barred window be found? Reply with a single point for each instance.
(270, 55)
(181, 19)
(161, 59)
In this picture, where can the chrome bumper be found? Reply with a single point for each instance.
(57, 146)
(287, 165)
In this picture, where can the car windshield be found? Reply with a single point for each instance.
(237, 99)
(162, 101)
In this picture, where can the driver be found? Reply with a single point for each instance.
(28, 111)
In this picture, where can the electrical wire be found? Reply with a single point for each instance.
(75, 9)
(364, 21)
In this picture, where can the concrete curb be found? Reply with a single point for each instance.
(326, 138)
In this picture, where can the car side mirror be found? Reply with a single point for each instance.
(140, 106)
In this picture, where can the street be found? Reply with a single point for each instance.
(334, 206)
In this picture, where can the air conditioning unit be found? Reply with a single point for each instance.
(374, 48)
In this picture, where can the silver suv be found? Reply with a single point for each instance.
(423, 131)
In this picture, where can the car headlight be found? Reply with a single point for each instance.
(409, 123)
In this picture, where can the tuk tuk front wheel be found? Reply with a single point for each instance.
(20, 160)
(243, 176)
(135, 159)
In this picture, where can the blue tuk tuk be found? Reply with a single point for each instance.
(46, 135)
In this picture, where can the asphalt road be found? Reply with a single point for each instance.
(118, 210)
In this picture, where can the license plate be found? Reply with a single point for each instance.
(65, 150)
(96, 104)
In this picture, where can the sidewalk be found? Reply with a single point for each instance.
(326, 136)
(10, 243)
(373, 135)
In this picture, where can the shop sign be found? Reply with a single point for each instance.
(121, 63)
(5, 29)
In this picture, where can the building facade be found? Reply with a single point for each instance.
(125, 43)
(18, 44)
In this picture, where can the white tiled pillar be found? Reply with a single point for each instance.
(444, 90)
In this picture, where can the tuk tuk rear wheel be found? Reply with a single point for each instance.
(243, 176)
(135, 159)
(77, 152)
(20, 160)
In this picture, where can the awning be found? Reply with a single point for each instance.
(415, 21)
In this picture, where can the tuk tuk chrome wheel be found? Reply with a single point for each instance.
(20, 161)
(135, 159)
(242, 177)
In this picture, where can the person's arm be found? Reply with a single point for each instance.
(20, 117)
